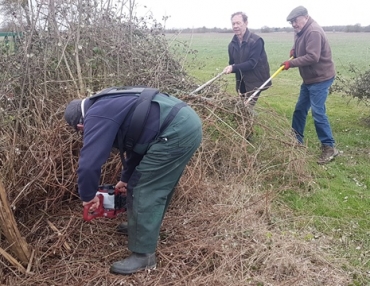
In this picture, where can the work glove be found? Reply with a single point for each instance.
(286, 65)
(291, 53)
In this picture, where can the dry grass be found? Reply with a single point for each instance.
(220, 229)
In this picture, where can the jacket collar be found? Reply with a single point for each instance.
(85, 105)
(245, 37)
(308, 23)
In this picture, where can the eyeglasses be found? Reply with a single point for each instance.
(301, 19)
(293, 21)
(296, 19)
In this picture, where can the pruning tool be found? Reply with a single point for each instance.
(262, 86)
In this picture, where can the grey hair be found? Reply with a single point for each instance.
(244, 16)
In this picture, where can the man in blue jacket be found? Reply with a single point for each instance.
(247, 59)
(152, 165)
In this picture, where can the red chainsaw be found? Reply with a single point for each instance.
(112, 203)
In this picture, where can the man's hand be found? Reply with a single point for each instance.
(228, 69)
(94, 204)
(122, 187)
(291, 53)
(286, 65)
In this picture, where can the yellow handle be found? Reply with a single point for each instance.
(280, 69)
(262, 86)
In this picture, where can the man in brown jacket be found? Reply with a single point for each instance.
(312, 55)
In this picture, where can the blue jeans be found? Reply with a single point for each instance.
(313, 96)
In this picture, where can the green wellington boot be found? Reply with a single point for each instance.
(134, 263)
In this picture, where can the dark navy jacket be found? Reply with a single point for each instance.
(102, 123)
(249, 61)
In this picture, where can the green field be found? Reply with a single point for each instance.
(6, 44)
(339, 206)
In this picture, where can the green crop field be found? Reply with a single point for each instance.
(339, 207)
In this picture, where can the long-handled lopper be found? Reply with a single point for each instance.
(207, 83)
(264, 84)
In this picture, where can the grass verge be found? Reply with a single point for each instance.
(336, 205)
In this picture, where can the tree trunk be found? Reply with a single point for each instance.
(8, 226)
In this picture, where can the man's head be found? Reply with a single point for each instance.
(298, 18)
(73, 113)
(239, 22)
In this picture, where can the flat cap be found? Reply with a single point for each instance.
(73, 113)
(296, 12)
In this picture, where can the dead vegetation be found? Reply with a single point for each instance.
(221, 228)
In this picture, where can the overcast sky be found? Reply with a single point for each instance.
(271, 13)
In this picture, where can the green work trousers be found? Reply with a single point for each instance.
(151, 186)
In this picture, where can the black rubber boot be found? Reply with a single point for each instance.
(122, 228)
(134, 263)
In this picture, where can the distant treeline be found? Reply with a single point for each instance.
(265, 29)
(348, 29)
